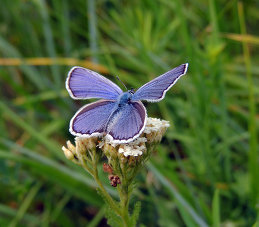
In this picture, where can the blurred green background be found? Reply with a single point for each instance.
(206, 170)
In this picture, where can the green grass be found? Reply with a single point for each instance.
(206, 170)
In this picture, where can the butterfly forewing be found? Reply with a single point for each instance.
(84, 84)
(127, 123)
(92, 119)
(155, 90)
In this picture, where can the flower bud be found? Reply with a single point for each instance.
(69, 155)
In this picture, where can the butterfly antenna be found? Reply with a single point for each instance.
(121, 82)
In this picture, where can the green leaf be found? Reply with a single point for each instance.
(135, 214)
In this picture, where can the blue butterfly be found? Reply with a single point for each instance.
(119, 115)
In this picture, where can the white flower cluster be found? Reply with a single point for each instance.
(155, 129)
(135, 148)
(153, 132)
(155, 125)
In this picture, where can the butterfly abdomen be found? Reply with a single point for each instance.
(122, 102)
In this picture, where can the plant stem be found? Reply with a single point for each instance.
(123, 189)
(108, 198)
(86, 167)
(124, 202)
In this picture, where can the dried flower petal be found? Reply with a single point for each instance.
(107, 168)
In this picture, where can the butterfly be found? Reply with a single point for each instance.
(120, 116)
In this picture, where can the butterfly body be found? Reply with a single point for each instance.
(120, 116)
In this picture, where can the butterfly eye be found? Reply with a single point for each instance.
(131, 91)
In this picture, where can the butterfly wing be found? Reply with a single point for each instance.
(154, 91)
(127, 122)
(91, 119)
(83, 83)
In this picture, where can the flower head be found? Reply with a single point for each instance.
(124, 159)
(153, 132)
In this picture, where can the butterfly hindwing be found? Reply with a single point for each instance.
(154, 91)
(92, 119)
(127, 123)
(83, 83)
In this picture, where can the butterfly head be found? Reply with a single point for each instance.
(124, 98)
(131, 91)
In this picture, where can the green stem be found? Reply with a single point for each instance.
(124, 203)
(108, 198)
(86, 167)
(123, 189)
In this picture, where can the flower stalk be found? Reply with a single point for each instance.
(124, 161)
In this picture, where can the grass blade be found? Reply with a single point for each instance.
(216, 209)
(177, 196)
(253, 149)
(11, 212)
(25, 205)
(48, 143)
